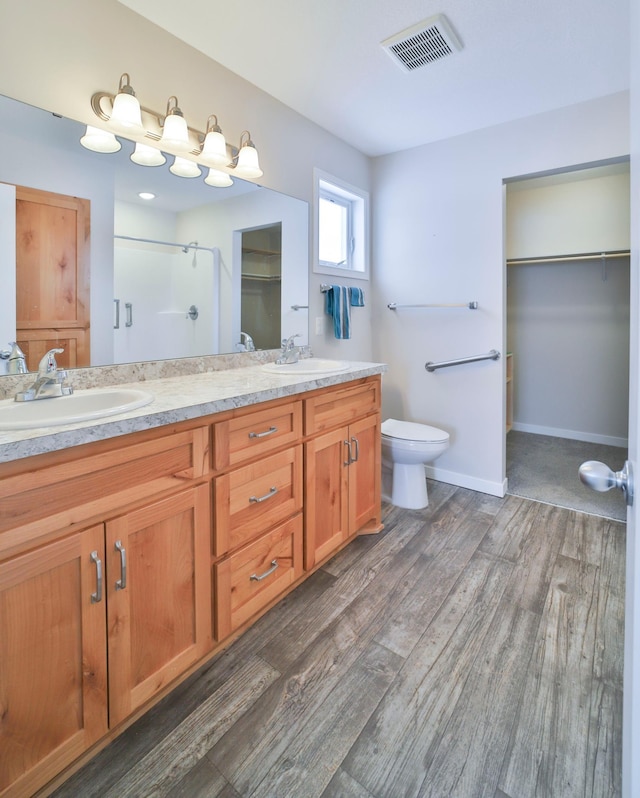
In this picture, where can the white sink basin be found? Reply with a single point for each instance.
(82, 406)
(313, 365)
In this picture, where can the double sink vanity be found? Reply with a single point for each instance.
(146, 523)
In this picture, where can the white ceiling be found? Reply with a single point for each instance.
(324, 59)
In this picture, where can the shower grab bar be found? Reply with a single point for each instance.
(470, 305)
(492, 355)
(299, 307)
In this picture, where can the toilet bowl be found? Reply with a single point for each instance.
(406, 447)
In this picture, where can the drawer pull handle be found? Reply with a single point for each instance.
(96, 597)
(356, 443)
(348, 460)
(257, 499)
(122, 582)
(264, 434)
(256, 578)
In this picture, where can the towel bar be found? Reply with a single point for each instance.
(470, 305)
(492, 355)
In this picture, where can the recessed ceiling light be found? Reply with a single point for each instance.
(146, 195)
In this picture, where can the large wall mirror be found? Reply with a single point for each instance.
(198, 270)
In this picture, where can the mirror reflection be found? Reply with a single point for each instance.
(90, 266)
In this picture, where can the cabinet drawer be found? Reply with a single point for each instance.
(254, 497)
(40, 502)
(253, 434)
(256, 574)
(337, 406)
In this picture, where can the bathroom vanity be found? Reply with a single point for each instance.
(134, 548)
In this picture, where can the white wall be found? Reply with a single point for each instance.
(438, 225)
(56, 55)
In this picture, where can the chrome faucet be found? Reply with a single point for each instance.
(289, 353)
(49, 382)
(247, 341)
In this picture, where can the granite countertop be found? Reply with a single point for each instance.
(177, 399)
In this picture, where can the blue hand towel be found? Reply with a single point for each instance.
(356, 297)
(337, 306)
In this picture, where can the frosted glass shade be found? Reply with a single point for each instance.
(125, 116)
(184, 168)
(99, 140)
(248, 165)
(218, 179)
(214, 150)
(144, 155)
(175, 134)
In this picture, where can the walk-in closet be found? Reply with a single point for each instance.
(567, 245)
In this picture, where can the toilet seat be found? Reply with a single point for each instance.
(410, 431)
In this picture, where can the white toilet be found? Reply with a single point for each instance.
(406, 447)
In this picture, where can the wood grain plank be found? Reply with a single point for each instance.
(583, 538)
(320, 742)
(157, 772)
(608, 664)
(343, 785)
(549, 751)
(468, 757)
(391, 755)
(203, 781)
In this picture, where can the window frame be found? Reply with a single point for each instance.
(356, 201)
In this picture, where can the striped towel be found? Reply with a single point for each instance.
(356, 297)
(337, 306)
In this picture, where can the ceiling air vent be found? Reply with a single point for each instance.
(423, 43)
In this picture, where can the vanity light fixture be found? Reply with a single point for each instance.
(144, 155)
(218, 179)
(170, 134)
(99, 140)
(175, 133)
(214, 147)
(247, 160)
(184, 168)
(126, 116)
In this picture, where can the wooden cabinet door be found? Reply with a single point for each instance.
(52, 276)
(158, 596)
(53, 703)
(327, 495)
(365, 474)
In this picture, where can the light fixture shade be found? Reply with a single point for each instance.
(184, 168)
(144, 155)
(175, 133)
(247, 164)
(126, 117)
(99, 140)
(214, 147)
(218, 179)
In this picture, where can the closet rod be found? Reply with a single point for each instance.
(619, 253)
(470, 305)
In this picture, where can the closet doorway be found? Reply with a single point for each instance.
(567, 245)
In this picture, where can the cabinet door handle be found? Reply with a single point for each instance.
(349, 460)
(129, 310)
(257, 499)
(122, 582)
(357, 446)
(116, 326)
(264, 434)
(96, 597)
(256, 578)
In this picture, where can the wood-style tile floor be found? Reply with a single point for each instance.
(471, 649)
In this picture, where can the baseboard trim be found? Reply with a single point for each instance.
(574, 435)
(466, 481)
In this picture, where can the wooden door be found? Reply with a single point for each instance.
(365, 475)
(53, 702)
(158, 596)
(327, 495)
(52, 276)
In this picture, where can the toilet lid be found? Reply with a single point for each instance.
(408, 430)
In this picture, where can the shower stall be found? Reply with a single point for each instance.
(167, 299)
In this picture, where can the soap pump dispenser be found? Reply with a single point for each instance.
(17, 363)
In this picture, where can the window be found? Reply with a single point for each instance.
(341, 229)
